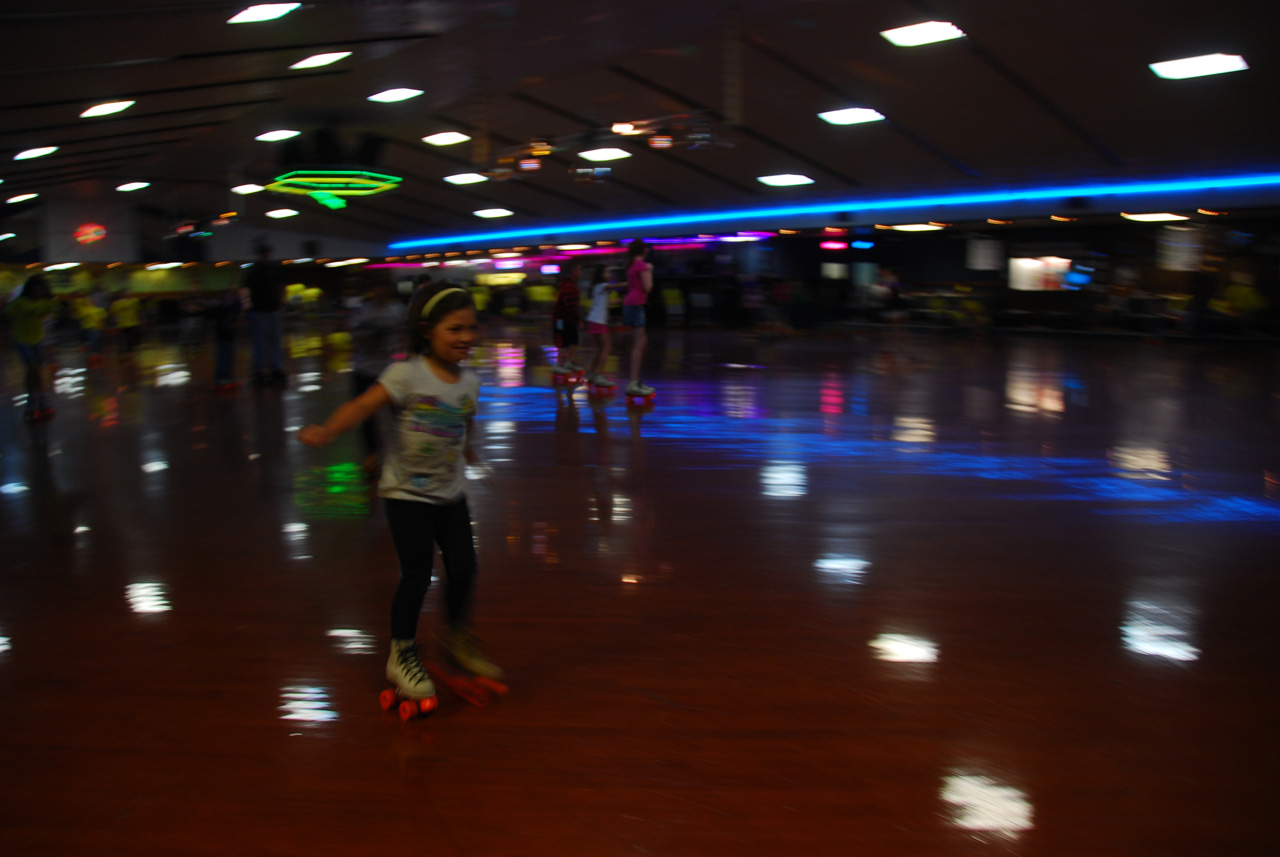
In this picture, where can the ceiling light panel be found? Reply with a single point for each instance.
(321, 59)
(35, 153)
(128, 186)
(107, 108)
(466, 178)
(493, 212)
(262, 12)
(1154, 217)
(446, 138)
(606, 154)
(387, 96)
(851, 116)
(277, 136)
(923, 34)
(1198, 66)
(784, 180)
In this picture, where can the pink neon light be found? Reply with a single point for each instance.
(834, 245)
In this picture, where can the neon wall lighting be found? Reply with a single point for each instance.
(686, 218)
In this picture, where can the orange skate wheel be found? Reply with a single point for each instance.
(387, 699)
(428, 705)
(408, 708)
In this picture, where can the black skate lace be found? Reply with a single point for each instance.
(411, 663)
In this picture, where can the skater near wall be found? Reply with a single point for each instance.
(639, 285)
(433, 401)
(27, 313)
(266, 297)
(566, 317)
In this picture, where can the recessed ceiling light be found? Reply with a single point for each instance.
(243, 189)
(107, 109)
(1198, 66)
(784, 180)
(466, 178)
(923, 34)
(281, 212)
(916, 227)
(446, 138)
(276, 136)
(128, 186)
(606, 154)
(321, 59)
(1154, 217)
(262, 12)
(493, 212)
(35, 153)
(22, 197)
(851, 116)
(389, 95)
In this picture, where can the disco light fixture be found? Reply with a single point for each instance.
(336, 183)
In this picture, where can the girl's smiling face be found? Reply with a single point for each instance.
(453, 336)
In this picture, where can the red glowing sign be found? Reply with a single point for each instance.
(89, 232)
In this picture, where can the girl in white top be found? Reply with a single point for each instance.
(598, 324)
(433, 401)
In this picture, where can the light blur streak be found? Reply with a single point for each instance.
(307, 703)
(983, 803)
(905, 649)
(1160, 628)
(147, 598)
(784, 479)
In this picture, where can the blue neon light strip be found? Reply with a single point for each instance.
(853, 205)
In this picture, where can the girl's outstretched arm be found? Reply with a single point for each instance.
(347, 417)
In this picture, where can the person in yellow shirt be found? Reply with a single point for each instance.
(26, 314)
(127, 311)
(92, 319)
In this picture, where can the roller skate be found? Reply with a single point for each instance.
(566, 375)
(413, 694)
(465, 671)
(638, 395)
(599, 385)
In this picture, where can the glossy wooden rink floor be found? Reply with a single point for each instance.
(953, 597)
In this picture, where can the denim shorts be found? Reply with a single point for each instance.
(633, 315)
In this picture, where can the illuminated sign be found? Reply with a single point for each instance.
(90, 232)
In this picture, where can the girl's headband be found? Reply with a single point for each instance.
(435, 299)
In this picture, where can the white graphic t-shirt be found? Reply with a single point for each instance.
(424, 459)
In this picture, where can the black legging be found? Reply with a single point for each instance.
(368, 428)
(415, 526)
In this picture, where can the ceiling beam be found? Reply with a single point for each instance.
(641, 80)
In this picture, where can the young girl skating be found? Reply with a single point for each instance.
(433, 401)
